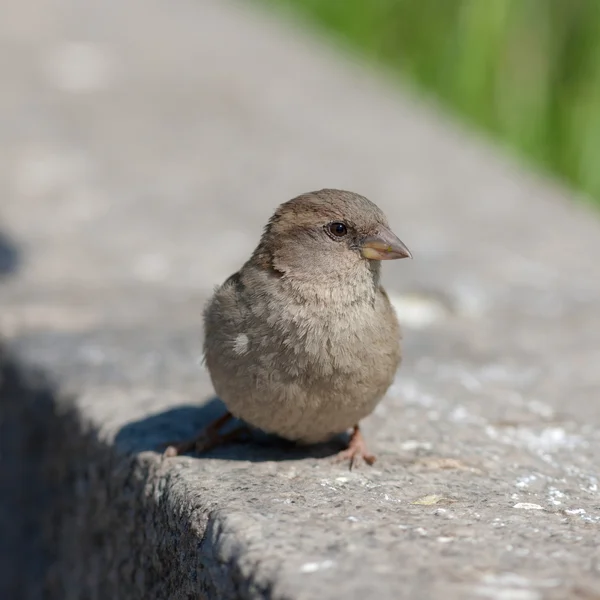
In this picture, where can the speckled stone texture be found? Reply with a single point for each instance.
(143, 146)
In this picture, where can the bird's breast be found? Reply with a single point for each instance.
(300, 370)
(328, 341)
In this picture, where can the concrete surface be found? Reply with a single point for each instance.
(143, 146)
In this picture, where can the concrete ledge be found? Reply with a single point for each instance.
(139, 174)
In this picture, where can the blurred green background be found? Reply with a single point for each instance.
(526, 71)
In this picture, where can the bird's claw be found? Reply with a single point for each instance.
(354, 455)
(207, 440)
(200, 444)
(356, 451)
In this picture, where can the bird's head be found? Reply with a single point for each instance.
(328, 237)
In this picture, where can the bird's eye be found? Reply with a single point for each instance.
(338, 229)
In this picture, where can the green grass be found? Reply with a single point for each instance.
(526, 71)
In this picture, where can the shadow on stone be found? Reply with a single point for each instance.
(9, 256)
(183, 422)
(79, 520)
(26, 417)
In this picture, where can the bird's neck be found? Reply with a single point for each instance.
(324, 283)
(342, 288)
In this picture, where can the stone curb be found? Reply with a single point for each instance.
(146, 148)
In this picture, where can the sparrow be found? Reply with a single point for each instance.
(302, 341)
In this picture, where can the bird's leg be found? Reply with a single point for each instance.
(208, 438)
(356, 450)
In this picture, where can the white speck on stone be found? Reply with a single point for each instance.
(415, 445)
(353, 519)
(460, 414)
(421, 531)
(525, 480)
(313, 567)
(417, 311)
(528, 506)
(554, 495)
(444, 540)
(240, 344)
(79, 67)
(590, 519)
(575, 511)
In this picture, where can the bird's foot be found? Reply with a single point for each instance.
(207, 439)
(356, 450)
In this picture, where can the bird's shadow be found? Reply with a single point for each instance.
(183, 422)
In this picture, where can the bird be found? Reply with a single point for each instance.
(303, 341)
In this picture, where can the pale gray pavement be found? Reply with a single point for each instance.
(142, 147)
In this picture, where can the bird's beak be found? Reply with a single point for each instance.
(384, 245)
